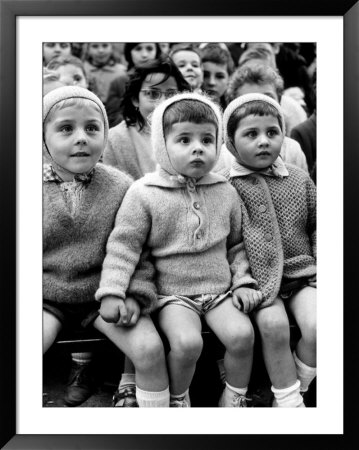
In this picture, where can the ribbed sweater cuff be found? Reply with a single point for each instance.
(105, 291)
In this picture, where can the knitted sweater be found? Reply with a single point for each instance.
(130, 151)
(74, 247)
(279, 227)
(189, 230)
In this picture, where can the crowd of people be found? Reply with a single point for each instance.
(179, 187)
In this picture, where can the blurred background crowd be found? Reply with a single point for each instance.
(118, 73)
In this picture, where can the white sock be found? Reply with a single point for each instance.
(82, 358)
(229, 395)
(305, 373)
(146, 399)
(179, 396)
(184, 396)
(288, 397)
(127, 378)
(240, 391)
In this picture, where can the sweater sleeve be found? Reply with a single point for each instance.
(124, 245)
(236, 253)
(142, 284)
(312, 214)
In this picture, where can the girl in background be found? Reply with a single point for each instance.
(129, 146)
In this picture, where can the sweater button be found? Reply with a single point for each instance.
(272, 263)
(262, 208)
(196, 205)
(268, 237)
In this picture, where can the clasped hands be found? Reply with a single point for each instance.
(123, 313)
(246, 299)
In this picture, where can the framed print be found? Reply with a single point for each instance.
(24, 26)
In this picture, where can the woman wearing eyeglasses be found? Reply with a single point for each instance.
(129, 145)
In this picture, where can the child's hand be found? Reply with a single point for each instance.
(246, 299)
(112, 309)
(132, 315)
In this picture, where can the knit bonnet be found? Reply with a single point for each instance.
(157, 130)
(240, 101)
(65, 93)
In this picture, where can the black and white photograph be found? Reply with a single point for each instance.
(200, 237)
(167, 253)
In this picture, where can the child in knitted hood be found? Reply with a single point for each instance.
(279, 231)
(190, 219)
(81, 198)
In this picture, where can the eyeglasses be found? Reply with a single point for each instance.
(155, 94)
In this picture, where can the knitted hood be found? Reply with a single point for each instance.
(240, 101)
(157, 132)
(64, 93)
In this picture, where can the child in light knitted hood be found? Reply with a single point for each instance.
(190, 219)
(80, 200)
(279, 231)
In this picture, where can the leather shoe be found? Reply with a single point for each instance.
(81, 384)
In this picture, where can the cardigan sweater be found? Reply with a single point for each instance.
(74, 246)
(189, 229)
(129, 151)
(279, 227)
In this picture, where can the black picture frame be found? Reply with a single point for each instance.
(10, 10)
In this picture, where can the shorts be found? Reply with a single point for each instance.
(75, 316)
(200, 304)
(290, 287)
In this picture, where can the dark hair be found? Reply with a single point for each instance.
(164, 65)
(216, 54)
(185, 47)
(129, 46)
(254, 74)
(256, 108)
(188, 110)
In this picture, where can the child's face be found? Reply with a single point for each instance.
(142, 53)
(71, 75)
(54, 49)
(191, 148)
(258, 140)
(75, 137)
(252, 88)
(189, 64)
(150, 89)
(215, 79)
(100, 52)
(165, 47)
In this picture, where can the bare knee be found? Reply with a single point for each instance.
(309, 332)
(275, 331)
(240, 341)
(149, 354)
(186, 347)
(51, 328)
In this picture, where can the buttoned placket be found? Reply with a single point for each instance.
(197, 208)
